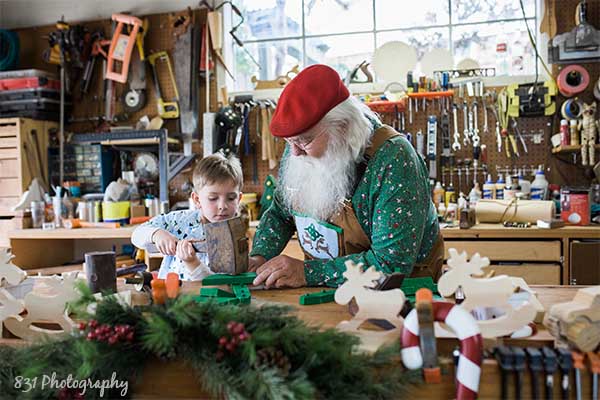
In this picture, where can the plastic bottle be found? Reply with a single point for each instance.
(512, 188)
(442, 210)
(450, 195)
(502, 57)
(565, 138)
(539, 186)
(525, 186)
(574, 133)
(500, 187)
(489, 188)
(438, 194)
(474, 195)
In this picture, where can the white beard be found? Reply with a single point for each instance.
(318, 186)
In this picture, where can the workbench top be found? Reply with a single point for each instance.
(499, 231)
(79, 233)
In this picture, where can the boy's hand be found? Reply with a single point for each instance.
(165, 242)
(185, 252)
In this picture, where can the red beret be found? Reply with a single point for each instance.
(306, 99)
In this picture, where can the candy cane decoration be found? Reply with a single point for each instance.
(471, 345)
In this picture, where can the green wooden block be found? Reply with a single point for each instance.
(245, 278)
(411, 285)
(324, 296)
(241, 291)
(215, 292)
(218, 300)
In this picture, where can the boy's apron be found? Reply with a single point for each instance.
(343, 235)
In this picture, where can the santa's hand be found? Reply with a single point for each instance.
(254, 262)
(281, 271)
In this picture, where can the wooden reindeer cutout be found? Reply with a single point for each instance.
(46, 308)
(492, 292)
(10, 273)
(9, 306)
(372, 304)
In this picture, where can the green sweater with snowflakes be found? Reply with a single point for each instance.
(393, 205)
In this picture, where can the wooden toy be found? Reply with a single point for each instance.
(215, 292)
(9, 273)
(278, 83)
(372, 304)
(324, 296)
(8, 306)
(490, 294)
(172, 284)
(577, 322)
(471, 345)
(245, 278)
(159, 291)
(242, 293)
(47, 308)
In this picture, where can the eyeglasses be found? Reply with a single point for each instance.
(303, 144)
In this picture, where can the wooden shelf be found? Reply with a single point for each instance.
(570, 149)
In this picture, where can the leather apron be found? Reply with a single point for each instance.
(351, 237)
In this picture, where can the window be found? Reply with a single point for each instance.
(279, 34)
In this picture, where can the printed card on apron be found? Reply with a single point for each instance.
(318, 239)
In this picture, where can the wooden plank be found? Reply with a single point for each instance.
(10, 187)
(9, 153)
(9, 142)
(6, 225)
(497, 231)
(497, 250)
(81, 233)
(6, 205)
(9, 168)
(534, 274)
(9, 127)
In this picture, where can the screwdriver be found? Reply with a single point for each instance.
(505, 358)
(534, 356)
(595, 365)
(579, 364)
(550, 369)
(566, 364)
(519, 366)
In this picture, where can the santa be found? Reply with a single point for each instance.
(351, 187)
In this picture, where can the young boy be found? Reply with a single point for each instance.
(217, 193)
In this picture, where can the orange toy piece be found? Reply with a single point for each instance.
(172, 284)
(121, 47)
(159, 291)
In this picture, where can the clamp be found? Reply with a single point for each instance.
(534, 359)
(579, 364)
(595, 366)
(565, 363)
(506, 361)
(550, 365)
(519, 366)
(476, 139)
(424, 306)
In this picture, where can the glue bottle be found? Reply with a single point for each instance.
(500, 187)
(489, 188)
(450, 195)
(438, 194)
(525, 185)
(539, 186)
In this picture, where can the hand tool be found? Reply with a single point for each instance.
(427, 343)
(420, 144)
(503, 117)
(432, 145)
(134, 98)
(410, 111)
(579, 364)
(550, 365)
(534, 359)
(466, 139)
(505, 358)
(519, 366)
(519, 136)
(476, 139)
(166, 110)
(565, 364)
(595, 367)
(486, 128)
(121, 46)
(456, 136)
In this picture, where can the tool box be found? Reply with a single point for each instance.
(28, 79)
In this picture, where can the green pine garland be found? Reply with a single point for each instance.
(323, 363)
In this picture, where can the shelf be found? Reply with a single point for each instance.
(570, 149)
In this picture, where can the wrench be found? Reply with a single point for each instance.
(456, 136)
(518, 132)
(466, 139)
(476, 139)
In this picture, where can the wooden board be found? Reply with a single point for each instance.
(534, 274)
(82, 233)
(509, 251)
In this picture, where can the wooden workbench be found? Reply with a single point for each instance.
(541, 256)
(35, 248)
(171, 379)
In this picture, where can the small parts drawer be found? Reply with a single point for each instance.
(9, 168)
(518, 251)
(9, 128)
(534, 274)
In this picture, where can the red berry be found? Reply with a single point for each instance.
(239, 328)
(231, 325)
(222, 341)
(230, 347)
(90, 336)
(93, 323)
(112, 340)
(219, 355)
(82, 326)
(243, 337)
(130, 337)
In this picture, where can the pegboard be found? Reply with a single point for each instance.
(160, 37)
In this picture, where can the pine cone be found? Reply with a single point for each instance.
(271, 357)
